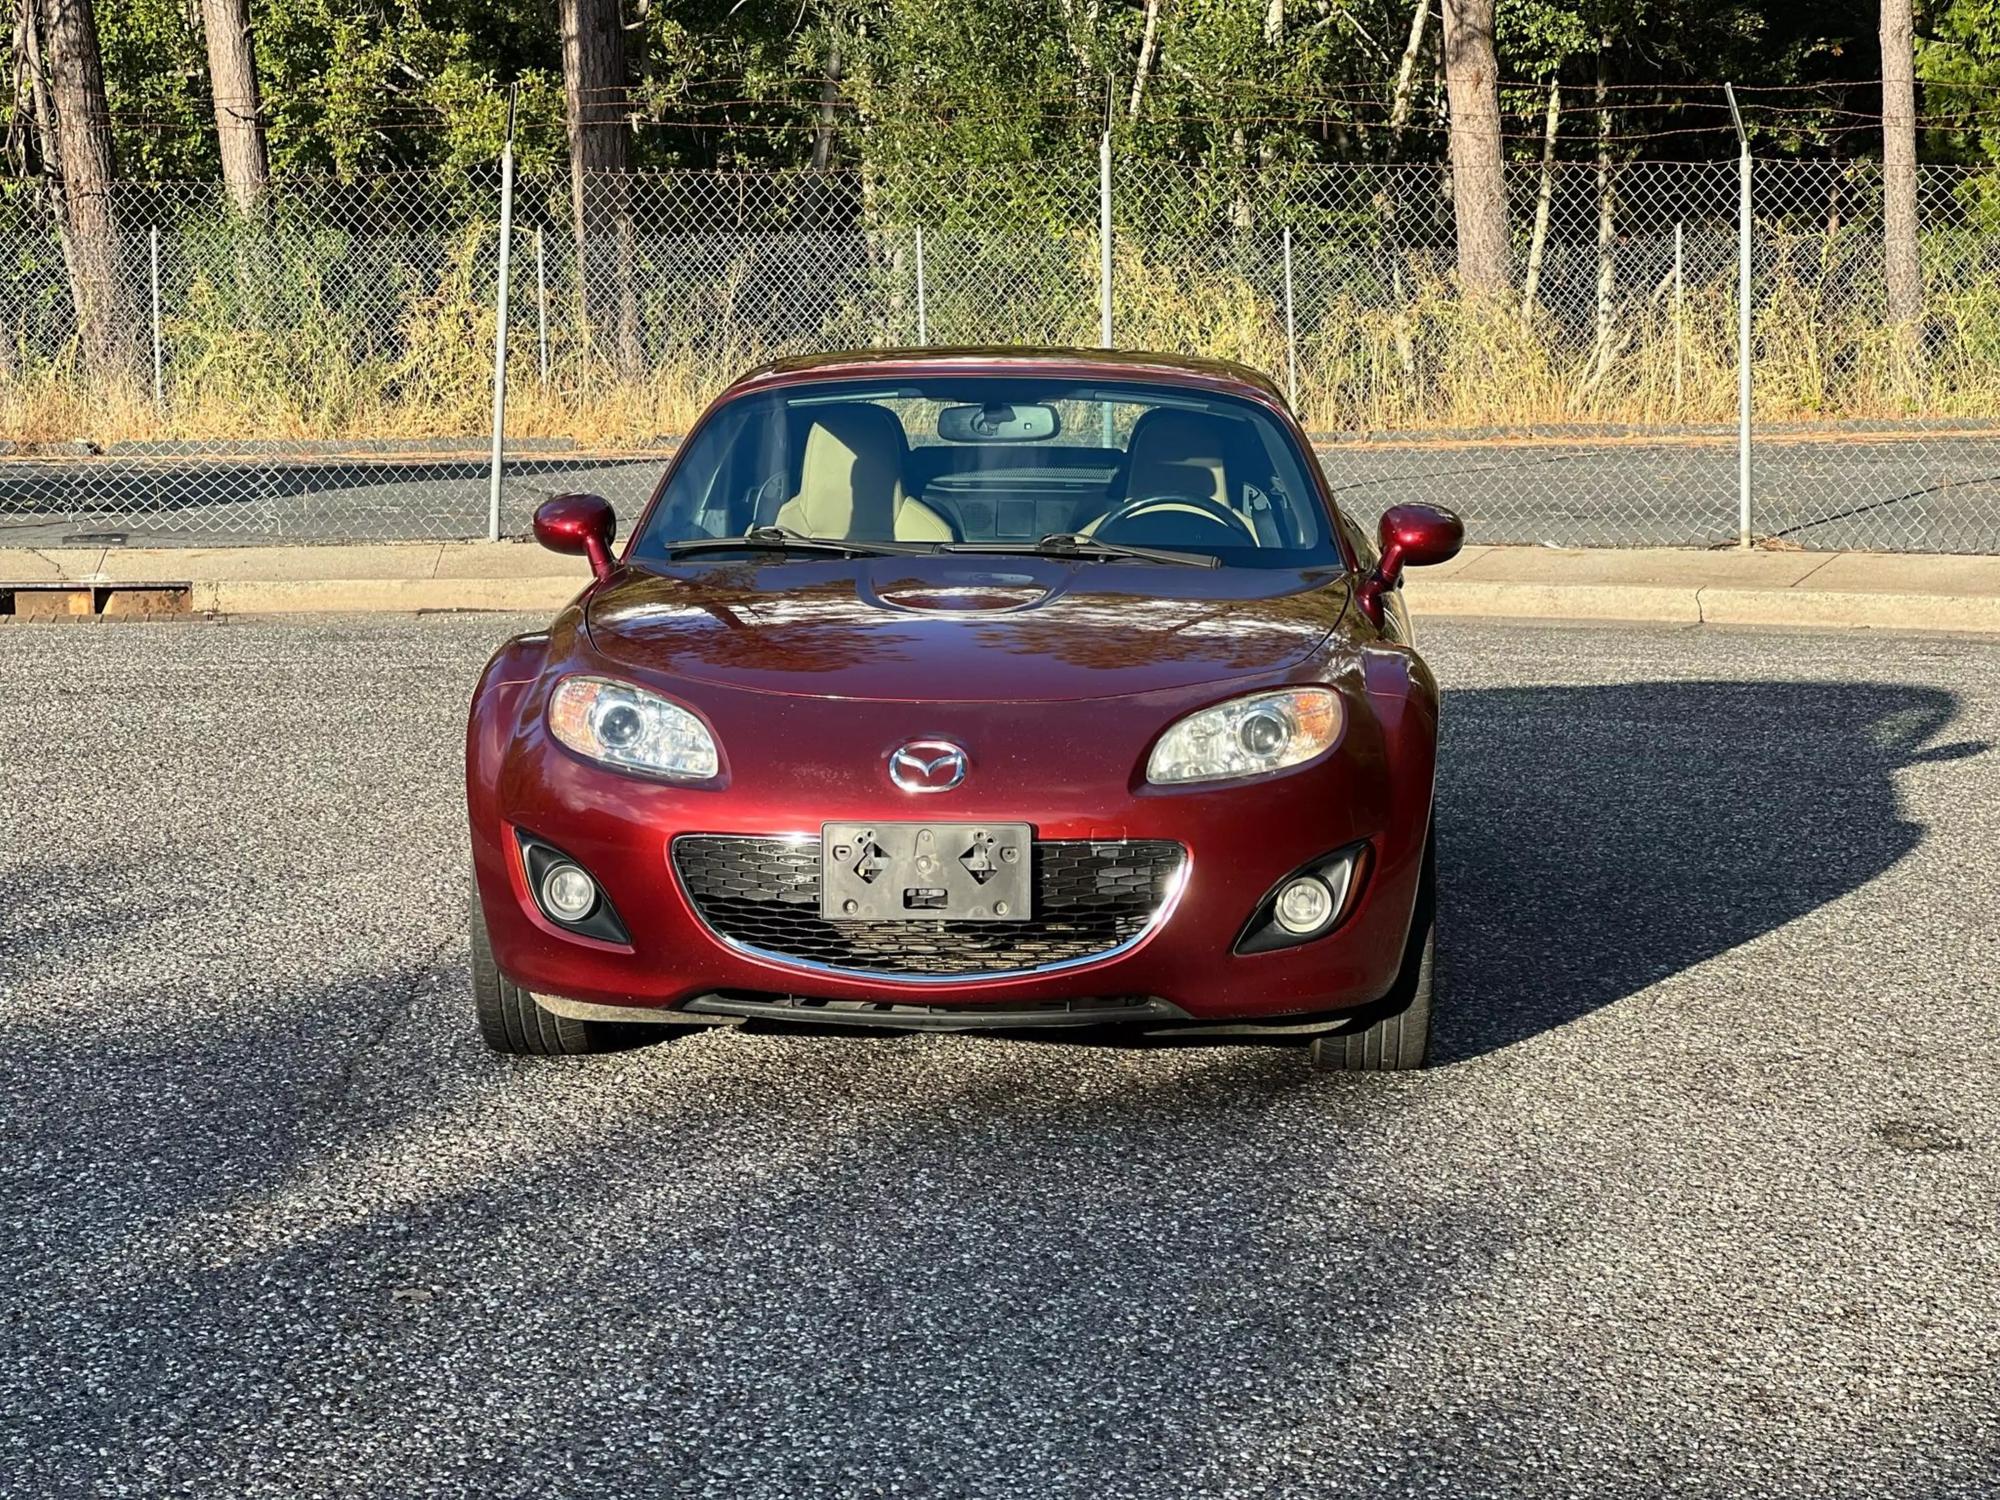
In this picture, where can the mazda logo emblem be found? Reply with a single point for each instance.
(927, 766)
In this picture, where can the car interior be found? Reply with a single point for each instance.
(850, 484)
(1181, 480)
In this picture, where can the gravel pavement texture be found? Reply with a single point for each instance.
(1700, 1201)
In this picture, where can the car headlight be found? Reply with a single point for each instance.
(1247, 737)
(627, 726)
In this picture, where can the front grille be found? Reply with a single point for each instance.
(763, 893)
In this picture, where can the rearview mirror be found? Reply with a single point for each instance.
(578, 523)
(1411, 536)
(998, 422)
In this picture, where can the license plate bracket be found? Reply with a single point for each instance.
(907, 872)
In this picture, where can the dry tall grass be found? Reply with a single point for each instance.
(296, 353)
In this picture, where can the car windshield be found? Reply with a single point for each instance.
(1068, 465)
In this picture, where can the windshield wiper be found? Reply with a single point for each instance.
(780, 539)
(1074, 544)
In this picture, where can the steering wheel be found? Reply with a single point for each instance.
(1210, 510)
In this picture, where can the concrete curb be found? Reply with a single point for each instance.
(1707, 605)
(383, 595)
(1648, 603)
(1977, 614)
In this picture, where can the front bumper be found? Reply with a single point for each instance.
(1237, 839)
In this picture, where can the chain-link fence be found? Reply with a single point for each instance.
(321, 369)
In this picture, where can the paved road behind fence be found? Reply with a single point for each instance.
(1868, 489)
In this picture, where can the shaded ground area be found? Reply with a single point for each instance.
(1859, 491)
(1700, 1201)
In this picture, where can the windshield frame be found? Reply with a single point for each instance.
(765, 385)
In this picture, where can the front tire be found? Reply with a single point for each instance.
(1399, 1038)
(510, 1021)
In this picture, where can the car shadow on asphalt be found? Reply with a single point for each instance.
(1594, 841)
(1597, 840)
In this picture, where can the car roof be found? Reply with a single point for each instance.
(1013, 359)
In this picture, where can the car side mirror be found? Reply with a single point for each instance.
(1411, 536)
(578, 523)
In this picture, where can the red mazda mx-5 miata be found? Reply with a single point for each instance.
(969, 689)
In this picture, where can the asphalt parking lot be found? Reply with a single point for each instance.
(1701, 1201)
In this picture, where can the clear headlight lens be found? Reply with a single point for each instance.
(1247, 737)
(623, 725)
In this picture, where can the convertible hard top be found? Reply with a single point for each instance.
(1089, 364)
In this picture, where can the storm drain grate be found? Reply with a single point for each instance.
(91, 601)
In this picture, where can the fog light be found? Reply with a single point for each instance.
(1304, 906)
(568, 893)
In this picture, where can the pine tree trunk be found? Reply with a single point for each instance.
(1901, 269)
(1479, 187)
(1274, 43)
(80, 133)
(1400, 102)
(1609, 345)
(1079, 28)
(1149, 41)
(594, 85)
(239, 122)
(829, 97)
(1538, 242)
(1406, 75)
(1607, 210)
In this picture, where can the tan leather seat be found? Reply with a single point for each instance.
(851, 481)
(1175, 453)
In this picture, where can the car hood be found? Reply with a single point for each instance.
(966, 629)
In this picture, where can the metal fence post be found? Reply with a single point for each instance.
(1744, 228)
(1291, 327)
(500, 328)
(1104, 238)
(923, 324)
(542, 304)
(159, 362)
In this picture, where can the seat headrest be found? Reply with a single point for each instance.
(851, 474)
(866, 431)
(1173, 450)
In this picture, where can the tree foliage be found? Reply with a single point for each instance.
(362, 86)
